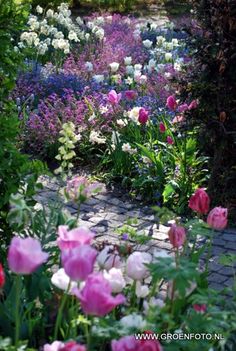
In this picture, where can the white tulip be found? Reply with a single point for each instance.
(138, 67)
(89, 66)
(128, 60)
(133, 321)
(143, 79)
(147, 43)
(129, 69)
(168, 56)
(114, 66)
(61, 280)
(49, 13)
(136, 265)
(98, 78)
(116, 279)
(141, 291)
(108, 259)
(39, 9)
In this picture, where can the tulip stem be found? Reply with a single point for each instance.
(60, 311)
(209, 253)
(17, 308)
(86, 330)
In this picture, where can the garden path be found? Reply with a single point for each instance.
(107, 212)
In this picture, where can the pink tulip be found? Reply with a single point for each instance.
(171, 103)
(200, 201)
(69, 239)
(55, 346)
(79, 261)
(143, 116)
(73, 346)
(177, 235)
(178, 119)
(182, 108)
(130, 94)
(113, 97)
(96, 296)
(127, 343)
(169, 140)
(217, 218)
(25, 255)
(200, 308)
(149, 345)
(193, 105)
(162, 127)
(60, 346)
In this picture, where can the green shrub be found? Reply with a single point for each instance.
(48, 4)
(15, 168)
(214, 84)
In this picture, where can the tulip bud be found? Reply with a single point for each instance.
(199, 201)
(217, 218)
(177, 235)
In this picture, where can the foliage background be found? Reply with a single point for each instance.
(213, 80)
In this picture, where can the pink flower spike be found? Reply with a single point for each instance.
(171, 102)
(25, 255)
(113, 97)
(169, 140)
(217, 218)
(162, 127)
(143, 116)
(79, 261)
(96, 296)
(69, 239)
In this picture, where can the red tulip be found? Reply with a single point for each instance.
(130, 94)
(193, 105)
(177, 235)
(217, 218)
(2, 276)
(162, 127)
(169, 140)
(171, 102)
(199, 201)
(143, 116)
(200, 308)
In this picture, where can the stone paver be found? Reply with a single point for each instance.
(106, 213)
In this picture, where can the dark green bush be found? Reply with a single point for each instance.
(48, 4)
(14, 166)
(111, 5)
(214, 83)
(12, 20)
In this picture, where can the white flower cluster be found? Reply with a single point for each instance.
(44, 32)
(96, 138)
(162, 51)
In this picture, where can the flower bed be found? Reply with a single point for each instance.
(116, 80)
